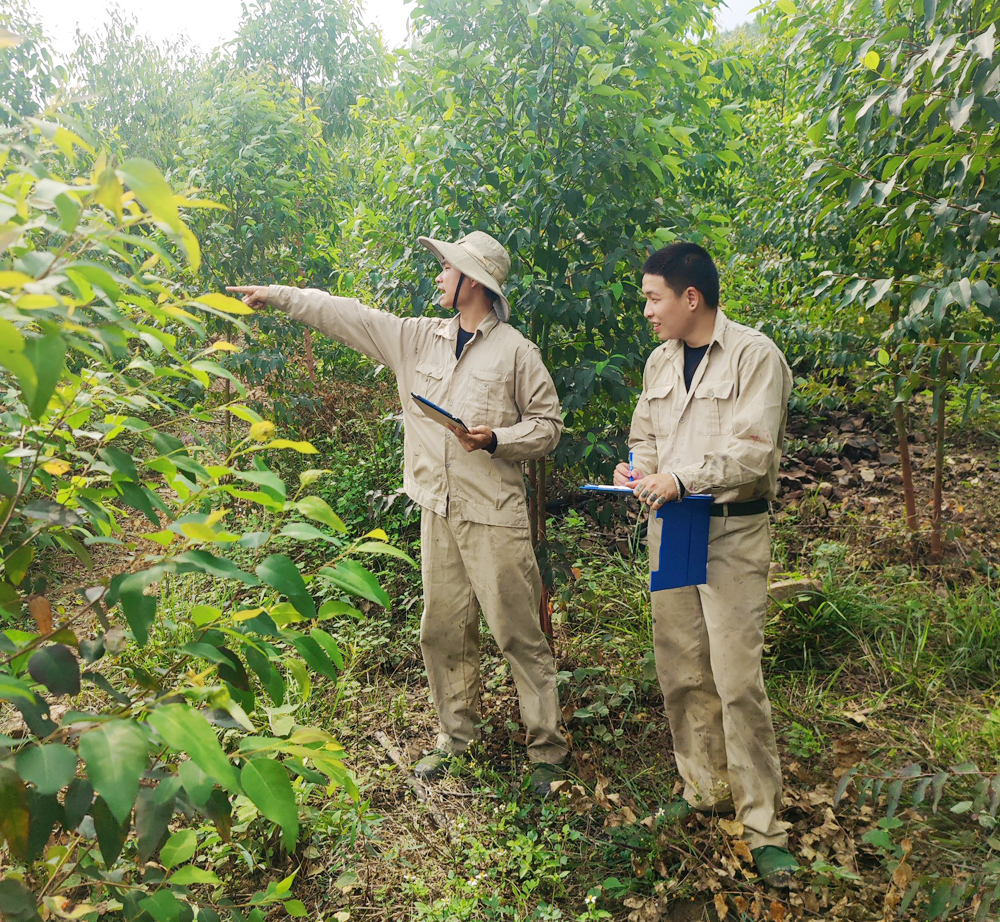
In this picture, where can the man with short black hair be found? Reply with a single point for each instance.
(711, 419)
(475, 545)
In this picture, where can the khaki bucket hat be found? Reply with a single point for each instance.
(480, 257)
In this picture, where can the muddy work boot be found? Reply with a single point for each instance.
(433, 765)
(776, 866)
(542, 776)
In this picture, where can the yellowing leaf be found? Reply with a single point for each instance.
(146, 181)
(199, 531)
(241, 412)
(56, 468)
(262, 431)
(14, 280)
(9, 39)
(28, 302)
(245, 614)
(377, 534)
(175, 311)
(222, 346)
(224, 303)
(304, 448)
(872, 60)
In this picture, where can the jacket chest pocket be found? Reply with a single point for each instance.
(429, 382)
(661, 408)
(712, 407)
(486, 397)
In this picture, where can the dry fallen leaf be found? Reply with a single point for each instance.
(721, 906)
(742, 851)
(41, 611)
(732, 828)
(777, 912)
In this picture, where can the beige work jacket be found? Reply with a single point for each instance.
(500, 381)
(724, 436)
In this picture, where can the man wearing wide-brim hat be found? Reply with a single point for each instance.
(475, 542)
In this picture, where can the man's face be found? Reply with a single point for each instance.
(669, 314)
(447, 282)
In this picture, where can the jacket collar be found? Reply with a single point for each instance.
(722, 323)
(449, 329)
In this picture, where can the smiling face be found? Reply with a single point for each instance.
(447, 282)
(670, 315)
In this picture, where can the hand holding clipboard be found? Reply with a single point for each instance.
(438, 414)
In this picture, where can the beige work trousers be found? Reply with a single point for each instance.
(708, 642)
(467, 566)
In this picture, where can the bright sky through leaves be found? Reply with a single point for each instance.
(210, 24)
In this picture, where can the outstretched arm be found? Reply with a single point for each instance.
(376, 333)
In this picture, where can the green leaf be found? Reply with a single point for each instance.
(111, 833)
(50, 513)
(76, 802)
(377, 547)
(16, 565)
(14, 815)
(46, 356)
(116, 754)
(153, 809)
(301, 531)
(49, 767)
(265, 782)
(121, 462)
(281, 573)
(190, 874)
(164, 906)
(319, 511)
(139, 498)
(56, 667)
(329, 646)
(152, 190)
(313, 654)
(197, 784)
(46, 814)
(296, 909)
(204, 562)
(180, 847)
(16, 902)
(350, 577)
(187, 730)
(332, 608)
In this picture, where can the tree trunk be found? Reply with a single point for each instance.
(310, 361)
(937, 544)
(906, 468)
(229, 397)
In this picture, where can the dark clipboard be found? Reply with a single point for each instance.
(438, 414)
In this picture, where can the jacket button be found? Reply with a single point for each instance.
(711, 393)
(448, 464)
(682, 419)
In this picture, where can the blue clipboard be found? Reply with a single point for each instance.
(683, 539)
(683, 544)
(438, 414)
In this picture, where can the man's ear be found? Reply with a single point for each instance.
(692, 295)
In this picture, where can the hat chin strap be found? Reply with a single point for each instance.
(458, 290)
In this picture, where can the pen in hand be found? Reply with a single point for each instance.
(630, 469)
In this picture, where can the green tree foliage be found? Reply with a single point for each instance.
(99, 336)
(322, 47)
(28, 71)
(896, 207)
(137, 94)
(571, 131)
